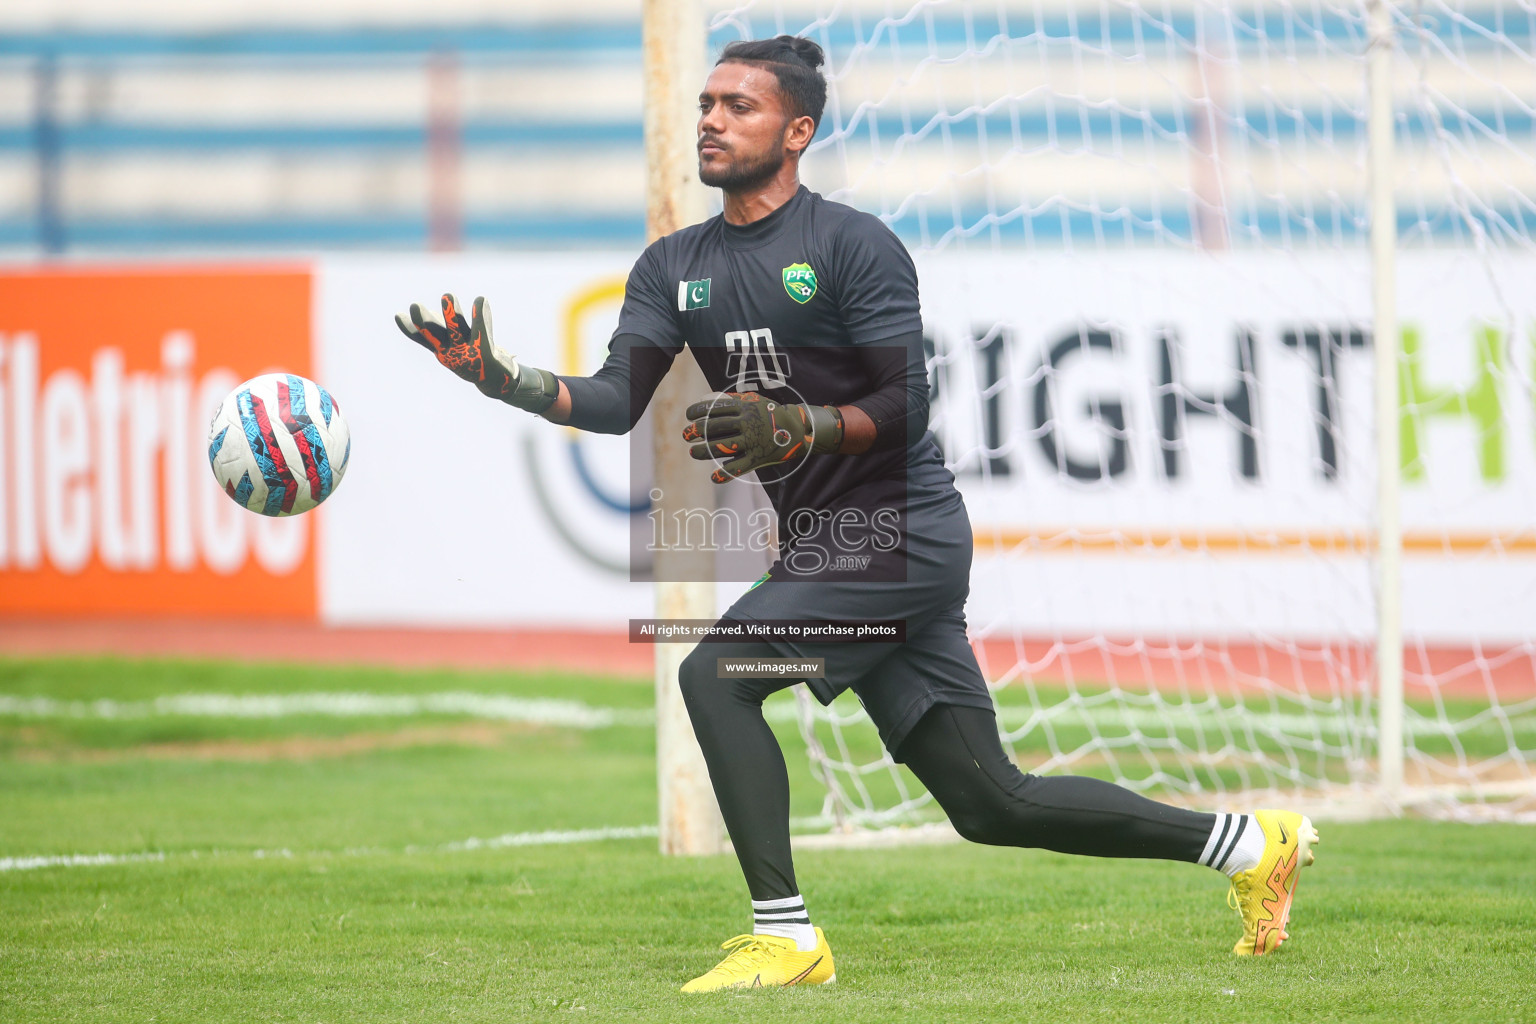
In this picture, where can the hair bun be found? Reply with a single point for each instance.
(795, 63)
(805, 49)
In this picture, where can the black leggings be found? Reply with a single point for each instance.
(955, 752)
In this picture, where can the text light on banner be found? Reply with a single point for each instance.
(107, 382)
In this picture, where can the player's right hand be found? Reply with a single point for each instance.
(467, 348)
(459, 344)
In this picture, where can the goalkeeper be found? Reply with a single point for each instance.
(803, 315)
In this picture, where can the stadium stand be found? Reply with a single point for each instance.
(339, 125)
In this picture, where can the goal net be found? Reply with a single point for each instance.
(1142, 233)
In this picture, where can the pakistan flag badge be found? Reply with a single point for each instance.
(800, 282)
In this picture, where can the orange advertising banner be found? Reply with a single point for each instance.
(108, 380)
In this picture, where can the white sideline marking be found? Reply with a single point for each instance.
(507, 840)
(548, 837)
(76, 860)
(532, 710)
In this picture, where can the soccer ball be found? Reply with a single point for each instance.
(278, 444)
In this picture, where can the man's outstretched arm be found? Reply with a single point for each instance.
(610, 401)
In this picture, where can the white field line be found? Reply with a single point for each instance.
(573, 714)
(507, 840)
(76, 860)
(570, 714)
(547, 838)
(510, 839)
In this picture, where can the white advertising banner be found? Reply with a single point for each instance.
(1155, 444)
(1149, 444)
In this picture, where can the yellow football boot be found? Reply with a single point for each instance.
(767, 961)
(1263, 895)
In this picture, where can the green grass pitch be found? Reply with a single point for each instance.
(311, 867)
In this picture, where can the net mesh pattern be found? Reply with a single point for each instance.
(1142, 231)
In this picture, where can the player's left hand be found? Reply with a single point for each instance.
(753, 431)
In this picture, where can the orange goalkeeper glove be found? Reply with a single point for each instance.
(466, 348)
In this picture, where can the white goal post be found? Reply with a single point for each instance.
(1232, 349)
(1389, 533)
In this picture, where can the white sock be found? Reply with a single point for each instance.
(786, 918)
(1236, 844)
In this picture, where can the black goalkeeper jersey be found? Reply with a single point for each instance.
(817, 303)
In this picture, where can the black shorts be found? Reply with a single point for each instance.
(896, 682)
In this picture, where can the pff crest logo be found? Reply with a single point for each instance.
(800, 282)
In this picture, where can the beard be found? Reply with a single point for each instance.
(744, 174)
